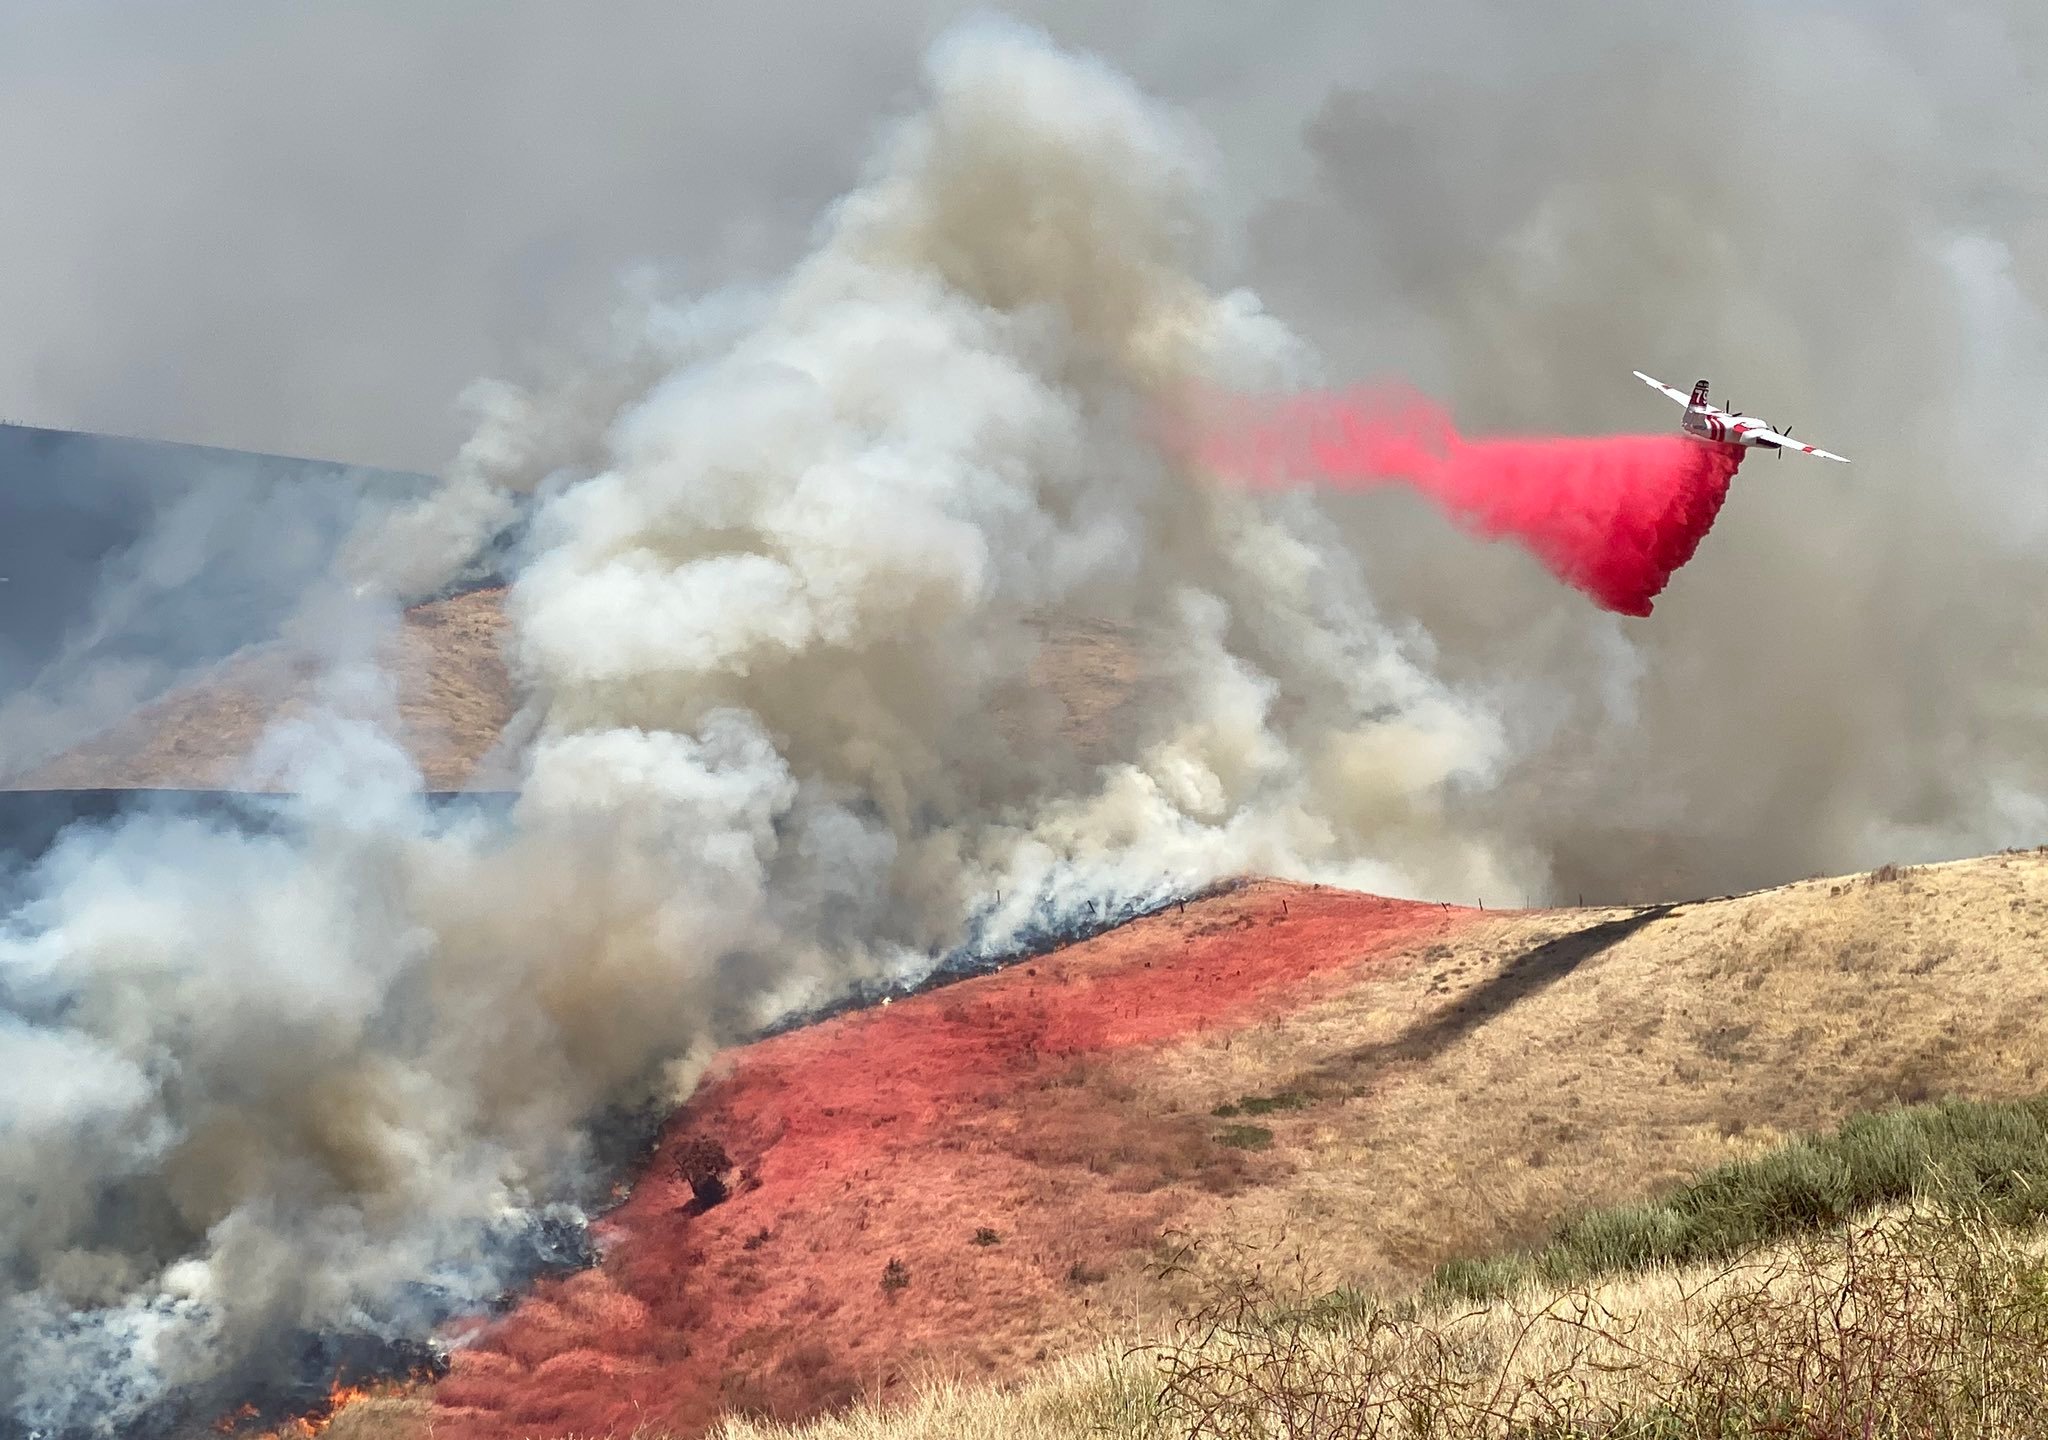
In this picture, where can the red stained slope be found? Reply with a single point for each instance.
(897, 1133)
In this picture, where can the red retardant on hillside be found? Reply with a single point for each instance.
(1612, 516)
(974, 1135)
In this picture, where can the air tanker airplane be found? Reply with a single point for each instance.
(1704, 422)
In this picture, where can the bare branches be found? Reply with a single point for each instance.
(1929, 1322)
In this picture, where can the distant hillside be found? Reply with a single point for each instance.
(201, 547)
(171, 565)
(454, 699)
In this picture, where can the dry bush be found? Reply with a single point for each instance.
(895, 1277)
(1245, 1137)
(1931, 1322)
(703, 1163)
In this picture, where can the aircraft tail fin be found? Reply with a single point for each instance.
(1699, 396)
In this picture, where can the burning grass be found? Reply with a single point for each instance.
(349, 1411)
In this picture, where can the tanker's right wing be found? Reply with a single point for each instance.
(1786, 442)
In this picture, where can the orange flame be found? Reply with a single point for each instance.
(339, 1397)
(302, 1427)
(229, 1423)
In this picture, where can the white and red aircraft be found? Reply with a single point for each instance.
(1704, 422)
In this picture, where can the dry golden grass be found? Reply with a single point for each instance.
(193, 737)
(379, 1417)
(455, 693)
(1551, 1062)
(1067, 1399)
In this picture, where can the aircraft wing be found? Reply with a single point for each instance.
(1679, 395)
(1790, 444)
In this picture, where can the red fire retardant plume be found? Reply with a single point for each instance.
(1611, 515)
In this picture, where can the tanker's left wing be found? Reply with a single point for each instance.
(1679, 395)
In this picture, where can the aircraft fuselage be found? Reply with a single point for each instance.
(1732, 429)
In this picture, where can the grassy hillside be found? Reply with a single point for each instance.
(1562, 1060)
(1464, 1094)
(1986, 1157)
(455, 697)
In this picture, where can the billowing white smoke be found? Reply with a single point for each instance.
(788, 569)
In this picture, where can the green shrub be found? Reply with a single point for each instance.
(1267, 1104)
(1988, 1153)
(1262, 1104)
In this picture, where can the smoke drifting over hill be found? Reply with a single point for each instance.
(128, 565)
(307, 1078)
(1830, 210)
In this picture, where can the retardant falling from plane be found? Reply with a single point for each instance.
(1612, 516)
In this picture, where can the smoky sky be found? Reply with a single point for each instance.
(309, 230)
(1840, 225)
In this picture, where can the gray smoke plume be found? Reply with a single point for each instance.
(785, 571)
(1828, 206)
